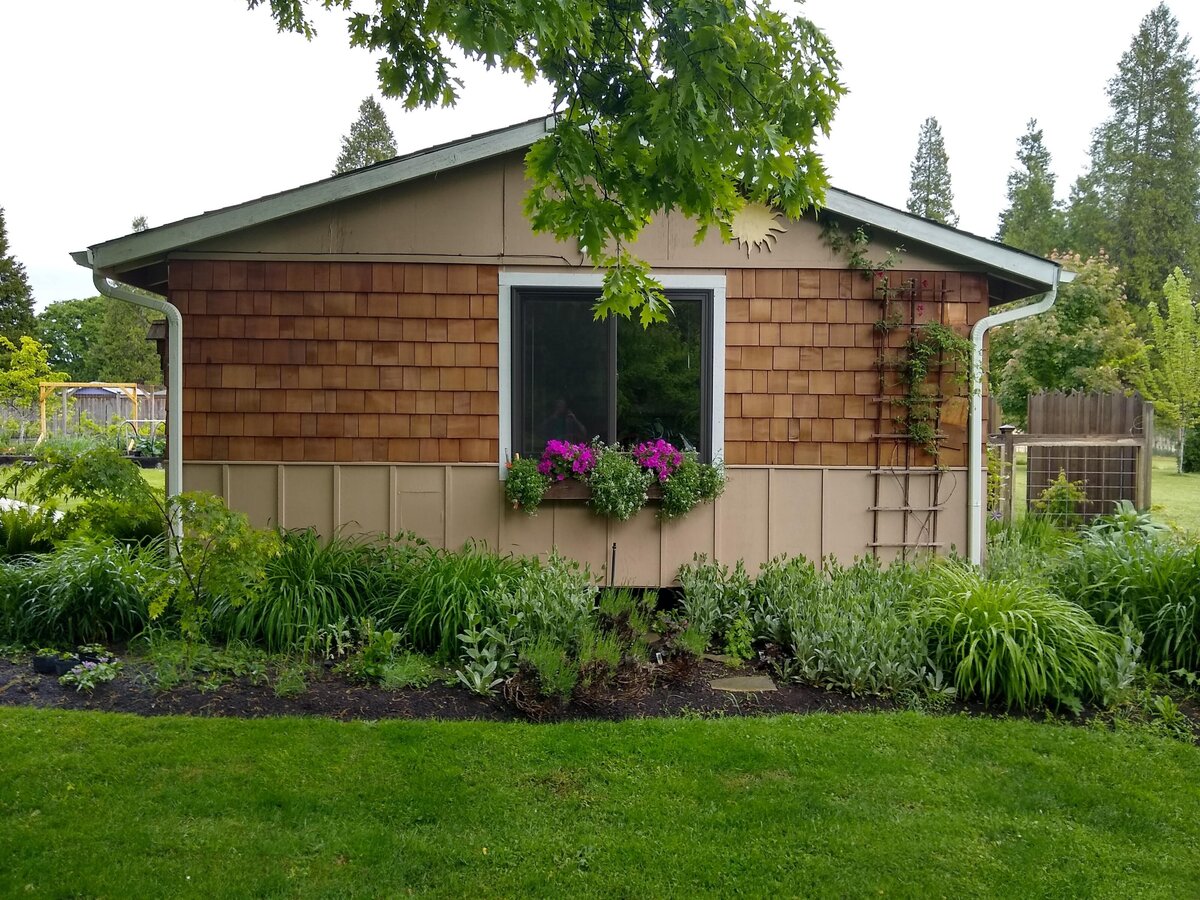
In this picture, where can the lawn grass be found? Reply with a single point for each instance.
(898, 804)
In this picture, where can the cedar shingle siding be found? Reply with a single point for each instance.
(397, 362)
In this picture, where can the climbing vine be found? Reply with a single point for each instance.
(931, 347)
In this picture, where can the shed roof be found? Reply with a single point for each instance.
(141, 257)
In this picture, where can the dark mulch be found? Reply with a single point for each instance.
(334, 696)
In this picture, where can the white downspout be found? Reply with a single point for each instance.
(975, 529)
(118, 291)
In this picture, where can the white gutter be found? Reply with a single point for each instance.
(975, 527)
(118, 291)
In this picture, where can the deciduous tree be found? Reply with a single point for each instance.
(69, 330)
(929, 192)
(1175, 358)
(370, 139)
(1140, 199)
(1033, 221)
(1087, 341)
(669, 104)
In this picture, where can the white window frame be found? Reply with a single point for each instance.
(595, 280)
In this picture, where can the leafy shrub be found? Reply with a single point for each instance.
(525, 485)
(1123, 566)
(108, 495)
(555, 599)
(309, 585)
(1060, 502)
(618, 484)
(1013, 641)
(80, 594)
(219, 564)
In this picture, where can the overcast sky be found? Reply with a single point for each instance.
(167, 108)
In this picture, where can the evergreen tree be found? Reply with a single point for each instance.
(1140, 199)
(16, 298)
(120, 351)
(1033, 221)
(370, 139)
(929, 192)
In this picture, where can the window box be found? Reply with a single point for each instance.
(577, 490)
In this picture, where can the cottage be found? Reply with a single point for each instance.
(366, 352)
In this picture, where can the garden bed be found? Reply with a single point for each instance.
(333, 695)
(330, 694)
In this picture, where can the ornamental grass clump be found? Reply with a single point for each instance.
(1013, 641)
(311, 584)
(1125, 566)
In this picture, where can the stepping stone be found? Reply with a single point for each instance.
(743, 684)
(718, 657)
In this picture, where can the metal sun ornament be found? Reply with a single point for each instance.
(756, 225)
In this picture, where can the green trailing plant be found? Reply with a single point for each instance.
(618, 484)
(691, 484)
(854, 247)
(930, 349)
(524, 485)
(1014, 642)
(1060, 502)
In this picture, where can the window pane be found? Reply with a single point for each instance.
(659, 377)
(564, 372)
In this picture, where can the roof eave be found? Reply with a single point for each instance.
(136, 249)
(1023, 268)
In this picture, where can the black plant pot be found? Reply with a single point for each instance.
(54, 665)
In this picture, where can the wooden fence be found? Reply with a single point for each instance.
(1102, 441)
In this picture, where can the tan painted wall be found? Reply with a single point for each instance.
(765, 511)
(473, 214)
